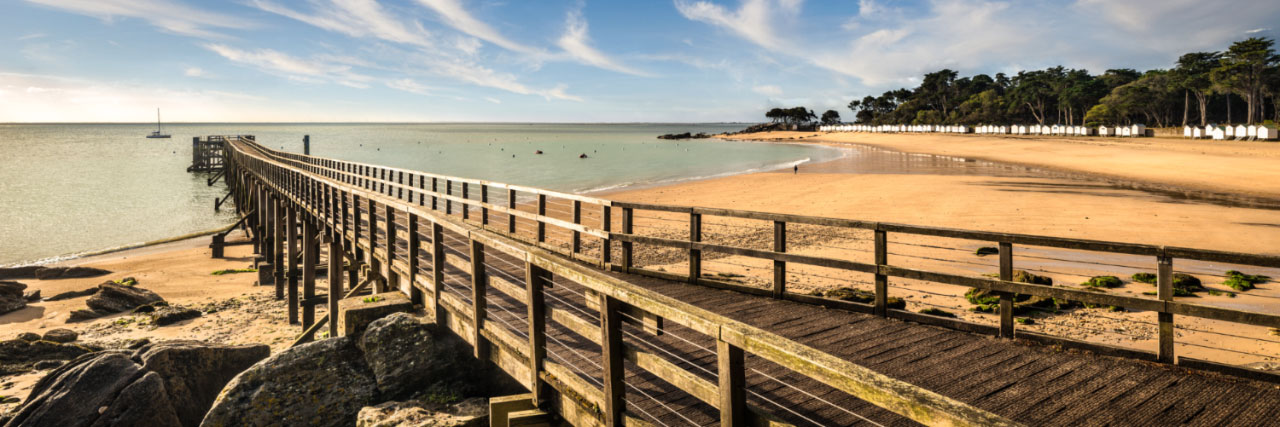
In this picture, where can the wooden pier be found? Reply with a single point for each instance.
(546, 286)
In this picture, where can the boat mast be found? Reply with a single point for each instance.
(157, 120)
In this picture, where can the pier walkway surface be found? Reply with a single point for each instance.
(556, 301)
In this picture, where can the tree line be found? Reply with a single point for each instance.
(1239, 84)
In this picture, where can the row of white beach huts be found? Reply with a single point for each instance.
(1240, 132)
(1237, 132)
(1060, 130)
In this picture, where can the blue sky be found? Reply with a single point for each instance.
(555, 61)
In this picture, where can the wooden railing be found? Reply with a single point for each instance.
(394, 238)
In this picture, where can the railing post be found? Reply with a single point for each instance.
(882, 281)
(277, 244)
(511, 205)
(479, 280)
(732, 376)
(695, 255)
(466, 209)
(355, 236)
(779, 267)
(292, 221)
(437, 270)
(392, 280)
(375, 266)
(335, 284)
(1164, 291)
(626, 246)
(1006, 298)
(415, 251)
(606, 244)
(448, 190)
(611, 348)
(435, 189)
(542, 212)
(400, 188)
(533, 277)
(310, 256)
(484, 210)
(577, 219)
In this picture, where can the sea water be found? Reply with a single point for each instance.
(67, 189)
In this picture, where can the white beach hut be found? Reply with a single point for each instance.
(1241, 132)
(1267, 133)
(1104, 131)
(1253, 132)
(1137, 131)
(1125, 131)
(1221, 132)
(1230, 131)
(1186, 132)
(1197, 133)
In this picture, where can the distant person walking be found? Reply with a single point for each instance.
(795, 169)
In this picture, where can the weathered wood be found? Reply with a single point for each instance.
(292, 223)
(695, 255)
(448, 201)
(536, 306)
(479, 301)
(1006, 299)
(882, 280)
(1164, 291)
(541, 220)
(391, 280)
(415, 252)
(611, 348)
(511, 207)
(278, 241)
(576, 244)
(335, 283)
(484, 198)
(779, 267)
(437, 268)
(627, 220)
(310, 257)
(606, 244)
(466, 210)
(375, 264)
(730, 368)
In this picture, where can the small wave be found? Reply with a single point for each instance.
(71, 256)
(668, 181)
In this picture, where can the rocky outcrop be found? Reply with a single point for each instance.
(164, 384)
(114, 298)
(407, 355)
(168, 315)
(324, 383)
(31, 296)
(72, 294)
(468, 413)
(20, 355)
(328, 382)
(11, 296)
(83, 314)
(61, 335)
(50, 273)
(27, 272)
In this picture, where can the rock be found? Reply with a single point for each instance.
(72, 294)
(163, 384)
(11, 296)
(358, 312)
(144, 309)
(324, 383)
(83, 314)
(406, 355)
(49, 273)
(170, 315)
(27, 352)
(31, 296)
(61, 335)
(115, 298)
(194, 372)
(29, 336)
(28, 272)
(103, 389)
(468, 413)
(47, 364)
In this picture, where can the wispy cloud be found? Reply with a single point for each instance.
(460, 19)
(767, 90)
(170, 16)
(194, 72)
(408, 85)
(355, 18)
(577, 44)
(298, 69)
(754, 20)
(32, 36)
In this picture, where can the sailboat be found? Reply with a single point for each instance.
(156, 133)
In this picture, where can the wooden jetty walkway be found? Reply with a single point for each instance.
(556, 301)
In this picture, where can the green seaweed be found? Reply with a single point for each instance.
(234, 271)
(937, 312)
(1103, 282)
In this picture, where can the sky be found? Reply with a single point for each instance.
(556, 61)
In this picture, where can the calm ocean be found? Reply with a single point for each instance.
(75, 188)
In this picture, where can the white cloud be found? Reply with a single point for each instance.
(767, 90)
(493, 100)
(460, 19)
(408, 85)
(170, 16)
(304, 70)
(356, 18)
(577, 44)
(194, 72)
(1256, 30)
(754, 20)
(32, 36)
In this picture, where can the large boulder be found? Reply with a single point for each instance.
(168, 315)
(61, 335)
(114, 298)
(472, 412)
(27, 272)
(194, 373)
(12, 296)
(164, 384)
(324, 383)
(407, 355)
(49, 273)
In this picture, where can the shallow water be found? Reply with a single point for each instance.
(67, 189)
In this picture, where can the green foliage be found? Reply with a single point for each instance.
(1025, 320)
(128, 281)
(1144, 278)
(1025, 277)
(865, 297)
(986, 250)
(937, 312)
(1243, 282)
(1103, 282)
(372, 299)
(1184, 285)
(234, 271)
(791, 116)
(830, 117)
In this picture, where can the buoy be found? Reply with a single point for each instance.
(537, 152)
(582, 156)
